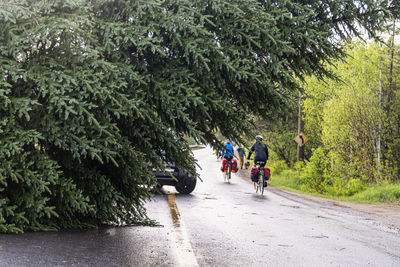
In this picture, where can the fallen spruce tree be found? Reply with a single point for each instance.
(92, 92)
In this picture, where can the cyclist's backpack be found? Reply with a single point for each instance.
(267, 173)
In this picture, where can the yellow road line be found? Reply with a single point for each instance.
(184, 250)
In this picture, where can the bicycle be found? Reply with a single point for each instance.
(228, 172)
(259, 184)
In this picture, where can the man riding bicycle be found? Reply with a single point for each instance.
(227, 151)
(261, 152)
(227, 154)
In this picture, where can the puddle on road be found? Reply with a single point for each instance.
(323, 217)
(111, 232)
(316, 236)
(283, 245)
(290, 206)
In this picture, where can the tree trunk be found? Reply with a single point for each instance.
(391, 88)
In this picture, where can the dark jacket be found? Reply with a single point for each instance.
(261, 152)
(241, 152)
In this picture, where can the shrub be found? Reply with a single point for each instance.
(353, 186)
(349, 188)
(313, 177)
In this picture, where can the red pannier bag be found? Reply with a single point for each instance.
(267, 173)
(224, 165)
(234, 165)
(254, 171)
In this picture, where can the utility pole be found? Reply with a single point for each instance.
(378, 142)
(300, 148)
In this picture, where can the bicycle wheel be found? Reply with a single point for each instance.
(255, 183)
(225, 174)
(229, 172)
(261, 183)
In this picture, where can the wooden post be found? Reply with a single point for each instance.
(378, 142)
(300, 149)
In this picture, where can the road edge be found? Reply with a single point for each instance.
(391, 212)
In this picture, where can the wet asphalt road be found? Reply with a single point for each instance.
(230, 225)
(220, 224)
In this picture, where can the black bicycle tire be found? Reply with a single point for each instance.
(261, 184)
(229, 171)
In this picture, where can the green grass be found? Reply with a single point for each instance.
(196, 148)
(288, 180)
(388, 193)
(374, 193)
(190, 140)
(285, 181)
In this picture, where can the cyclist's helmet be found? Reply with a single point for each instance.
(259, 138)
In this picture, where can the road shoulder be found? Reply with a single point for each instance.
(391, 212)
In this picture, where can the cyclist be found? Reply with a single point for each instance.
(261, 151)
(227, 151)
(227, 154)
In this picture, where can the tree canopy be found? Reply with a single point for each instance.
(354, 123)
(92, 92)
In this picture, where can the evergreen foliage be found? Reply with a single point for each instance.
(278, 132)
(92, 92)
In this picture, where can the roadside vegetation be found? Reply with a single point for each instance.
(290, 180)
(353, 124)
